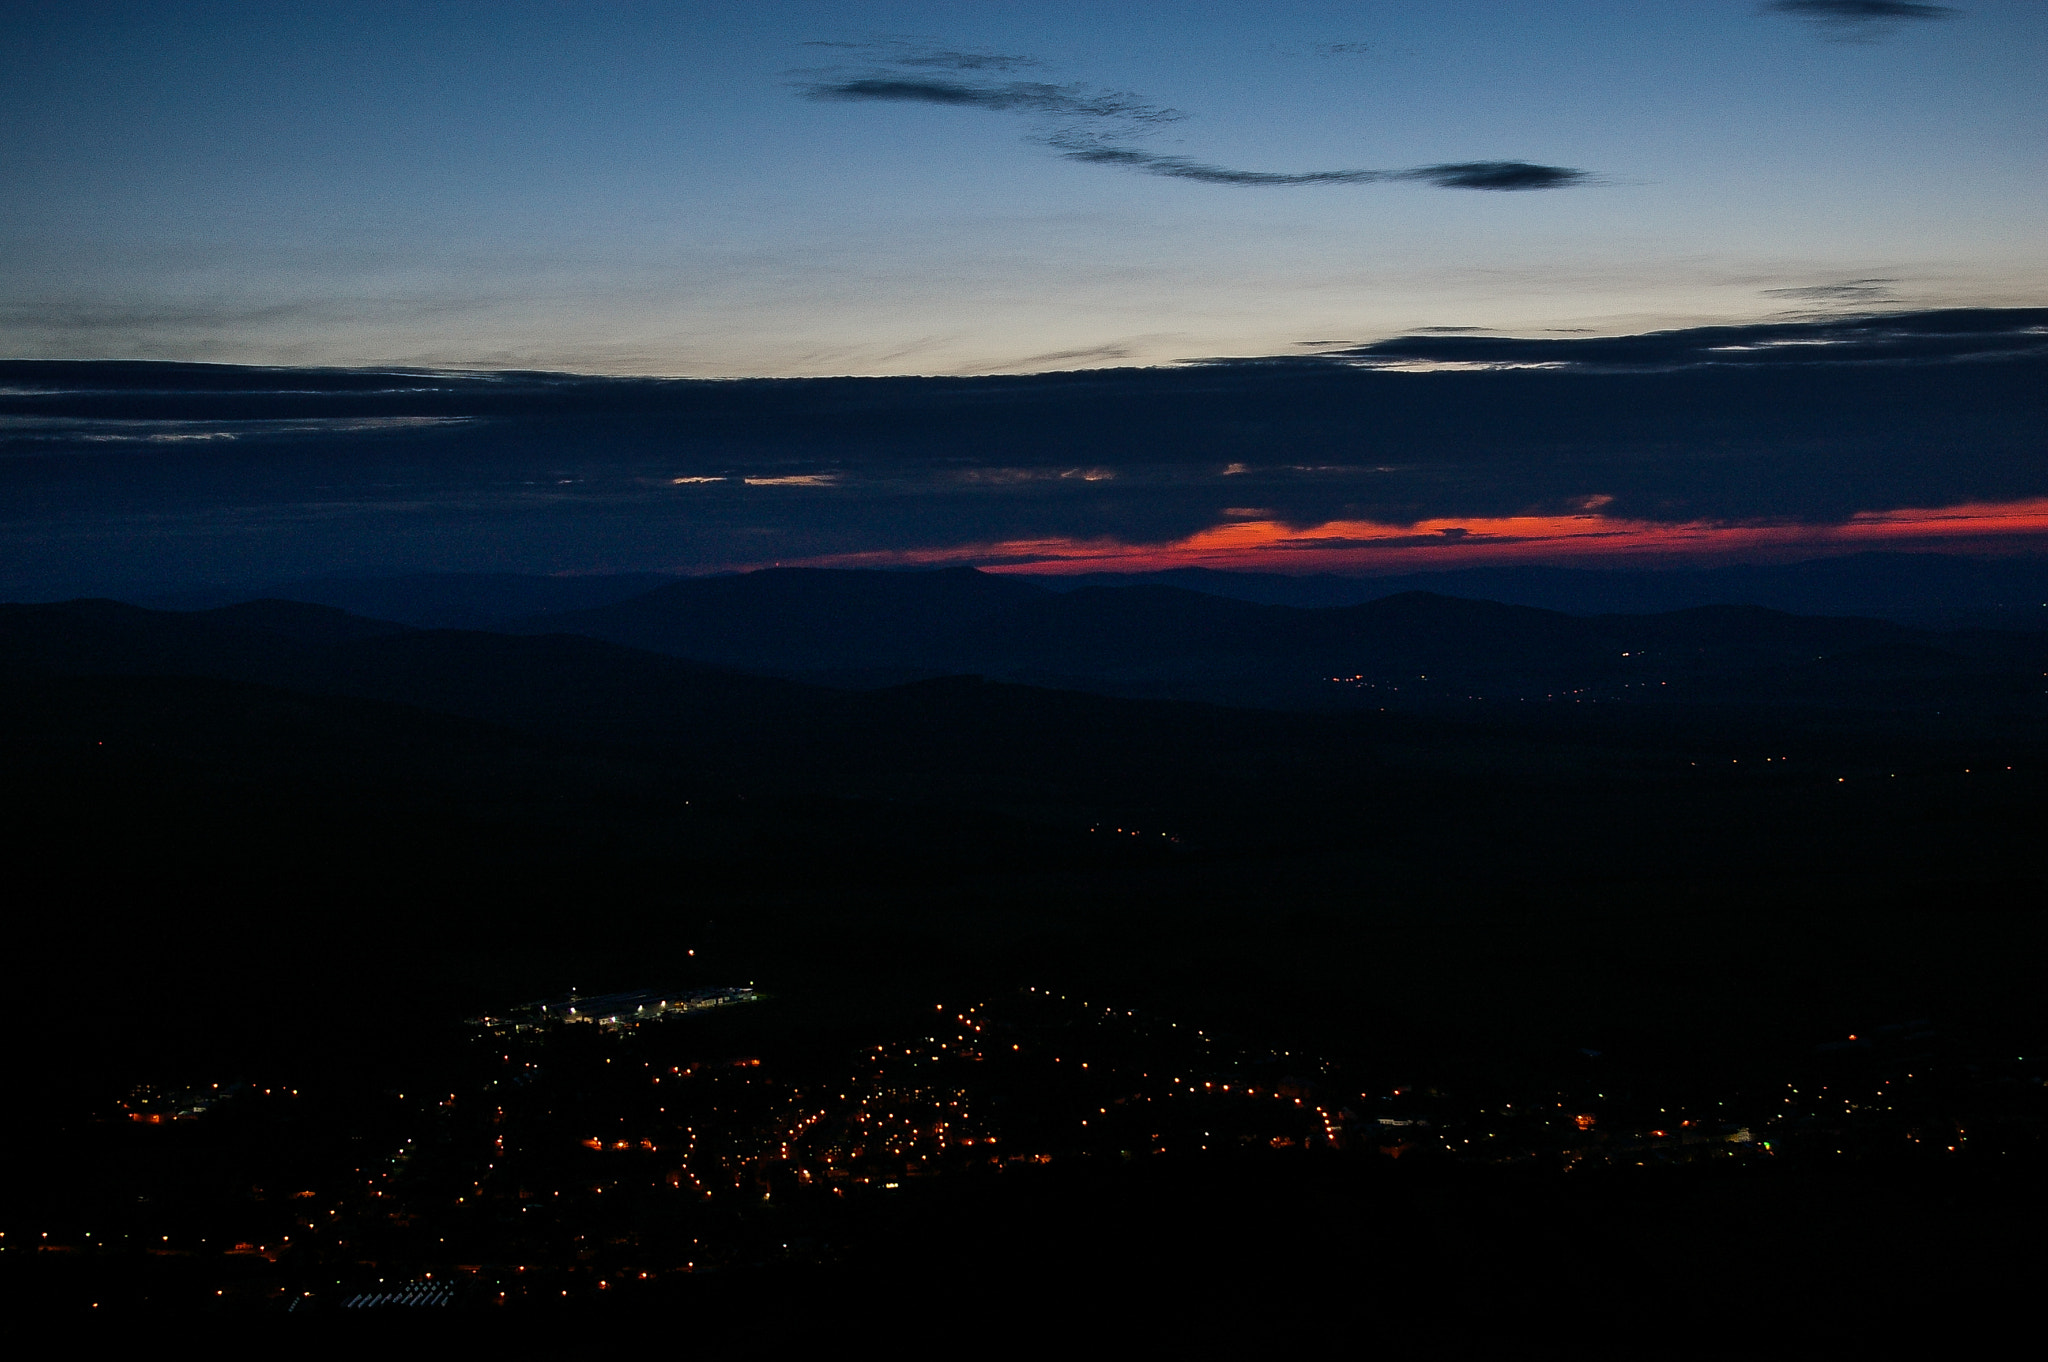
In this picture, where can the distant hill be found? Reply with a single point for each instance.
(303, 623)
(867, 628)
(340, 796)
(1924, 589)
(720, 733)
(431, 600)
(560, 683)
(753, 659)
(791, 619)
(1468, 734)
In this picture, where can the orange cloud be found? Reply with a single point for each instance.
(1363, 545)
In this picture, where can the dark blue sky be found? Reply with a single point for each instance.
(960, 188)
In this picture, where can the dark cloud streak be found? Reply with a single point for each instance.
(1183, 168)
(1496, 175)
(1491, 175)
(1079, 117)
(1861, 11)
(1916, 338)
(1060, 101)
(1848, 291)
(1860, 20)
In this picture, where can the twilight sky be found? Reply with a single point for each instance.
(821, 188)
(1376, 286)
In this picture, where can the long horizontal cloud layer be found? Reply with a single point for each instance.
(1012, 97)
(1498, 175)
(1095, 128)
(1918, 428)
(1905, 338)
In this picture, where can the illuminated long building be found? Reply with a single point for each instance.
(616, 1009)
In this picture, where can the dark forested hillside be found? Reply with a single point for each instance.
(1657, 864)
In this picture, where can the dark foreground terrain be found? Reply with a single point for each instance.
(1574, 998)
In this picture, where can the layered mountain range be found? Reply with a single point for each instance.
(1144, 638)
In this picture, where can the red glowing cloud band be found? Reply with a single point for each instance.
(1361, 545)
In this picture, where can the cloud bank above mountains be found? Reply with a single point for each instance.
(1922, 430)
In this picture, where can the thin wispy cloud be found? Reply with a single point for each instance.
(915, 53)
(1099, 127)
(1059, 101)
(1086, 356)
(1893, 340)
(1849, 291)
(1860, 20)
(1495, 175)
